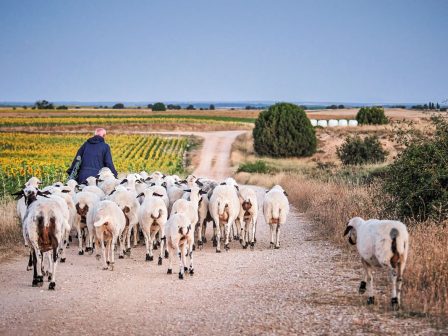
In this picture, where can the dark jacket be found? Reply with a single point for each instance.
(95, 154)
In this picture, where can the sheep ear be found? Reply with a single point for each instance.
(202, 192)
(285, 193)
(43, 194)
(183, 181)
(124, 181)
(237, 188)
(157, 195)
(141, 195)
(65, 191)
(223, 183)
(199, 183)
(148, 179)
(152, 184)
(112, 192)
(18, 195)
(163, 175)
(347, 230)
(164, 185)
(187, 190)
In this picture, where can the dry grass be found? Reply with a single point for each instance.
(11, 239)
(330, 205)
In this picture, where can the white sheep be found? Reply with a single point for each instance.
(45, 223)
(178, 237)
(380, 243)
(127, 201)
(247, 219)
(152, 217)
(109, 222)
(84, 203)
(92, 181)
(275, 210)
(224, 208)
(95, 190)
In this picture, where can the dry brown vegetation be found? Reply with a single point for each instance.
(11, 239)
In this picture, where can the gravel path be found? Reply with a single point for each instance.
(304, 287)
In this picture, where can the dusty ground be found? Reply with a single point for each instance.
(306, 287)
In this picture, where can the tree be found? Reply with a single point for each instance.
(284, 130)
(118, 106)
(371, 116)
(357, 151)
(150, 106)
(437, 106)
(341, 106)
(190, 107)
(62, 107)
(44, 105)
(159, 107)
(173, 107)
(211, 107)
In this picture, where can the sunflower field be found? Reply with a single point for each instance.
(47, 156)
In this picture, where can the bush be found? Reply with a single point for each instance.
(44, 105)
(62, 107)
(159, 107)
(190, 107)
(173, 107)
(372, 116)
(356, 151)
(118, 106)
(211, 107)
(418, 179)
(284, 130)
(258, 166)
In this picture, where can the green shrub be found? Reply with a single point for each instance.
(159, 107)
(356, 151)
(118, 106)
(418, 179)
(284, 130)
(258, 166)
(372, 116)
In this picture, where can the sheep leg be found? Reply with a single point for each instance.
(30, 262)
(393, 277)
(253, 228)
(170, 258)
(218, 239)
(122, 248)
(227, 228)
(180, 253)
(146, 237)
(103, 250)
(272, 235)
(151, 245)
(236, 229)
(54, 263)
(203, 229)
(162, 246)
(37, 268)
(191, 270)
(371, 298)
(198, 234)
(277, 237)
(135, 235)
(50, 264)
(80, 250)
(112, 244)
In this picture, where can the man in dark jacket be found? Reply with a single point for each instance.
(95, 154)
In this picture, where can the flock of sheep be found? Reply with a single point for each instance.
(172, 215)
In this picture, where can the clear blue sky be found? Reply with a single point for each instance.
(226, 50)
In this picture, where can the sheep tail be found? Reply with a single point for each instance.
(396, 255)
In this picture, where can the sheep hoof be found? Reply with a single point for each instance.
(194, 247)
(166, 254)
(111, 266)
(81, 252)
(394, 303)
(52, 286)
(215, 243)
(272, 245)
(244, 246)
(371, 300)
(226, 247)
(218, 251)
(62, 260)
(170, 271)
(241, 241)
(98, 257)
(70, 239)
(181, 276)
(108, 263)
(362, 287)
(68, 245)
(252, 246)
(29, 268)
(255, 240)
(49, 277)
(204, 240)
(88, 249)
(91, 251)
(160, 261)
(147, 257)
(277, 247)
(128, 250)
(185, 269)
(121, 257)
(191, 271)
(151, 258)
(105, 268)
(35, 283)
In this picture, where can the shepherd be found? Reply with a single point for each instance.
(93, 155)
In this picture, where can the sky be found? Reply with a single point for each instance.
(224, 50)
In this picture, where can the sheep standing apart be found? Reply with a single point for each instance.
(152, 217)
(45, 222)
(224, 208)
(275, 210)
(109, 222)
(247, 219)
(178, 237)
(128, 203)
(84, 203)
(380, 243)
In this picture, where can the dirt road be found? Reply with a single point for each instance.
(304, 287)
